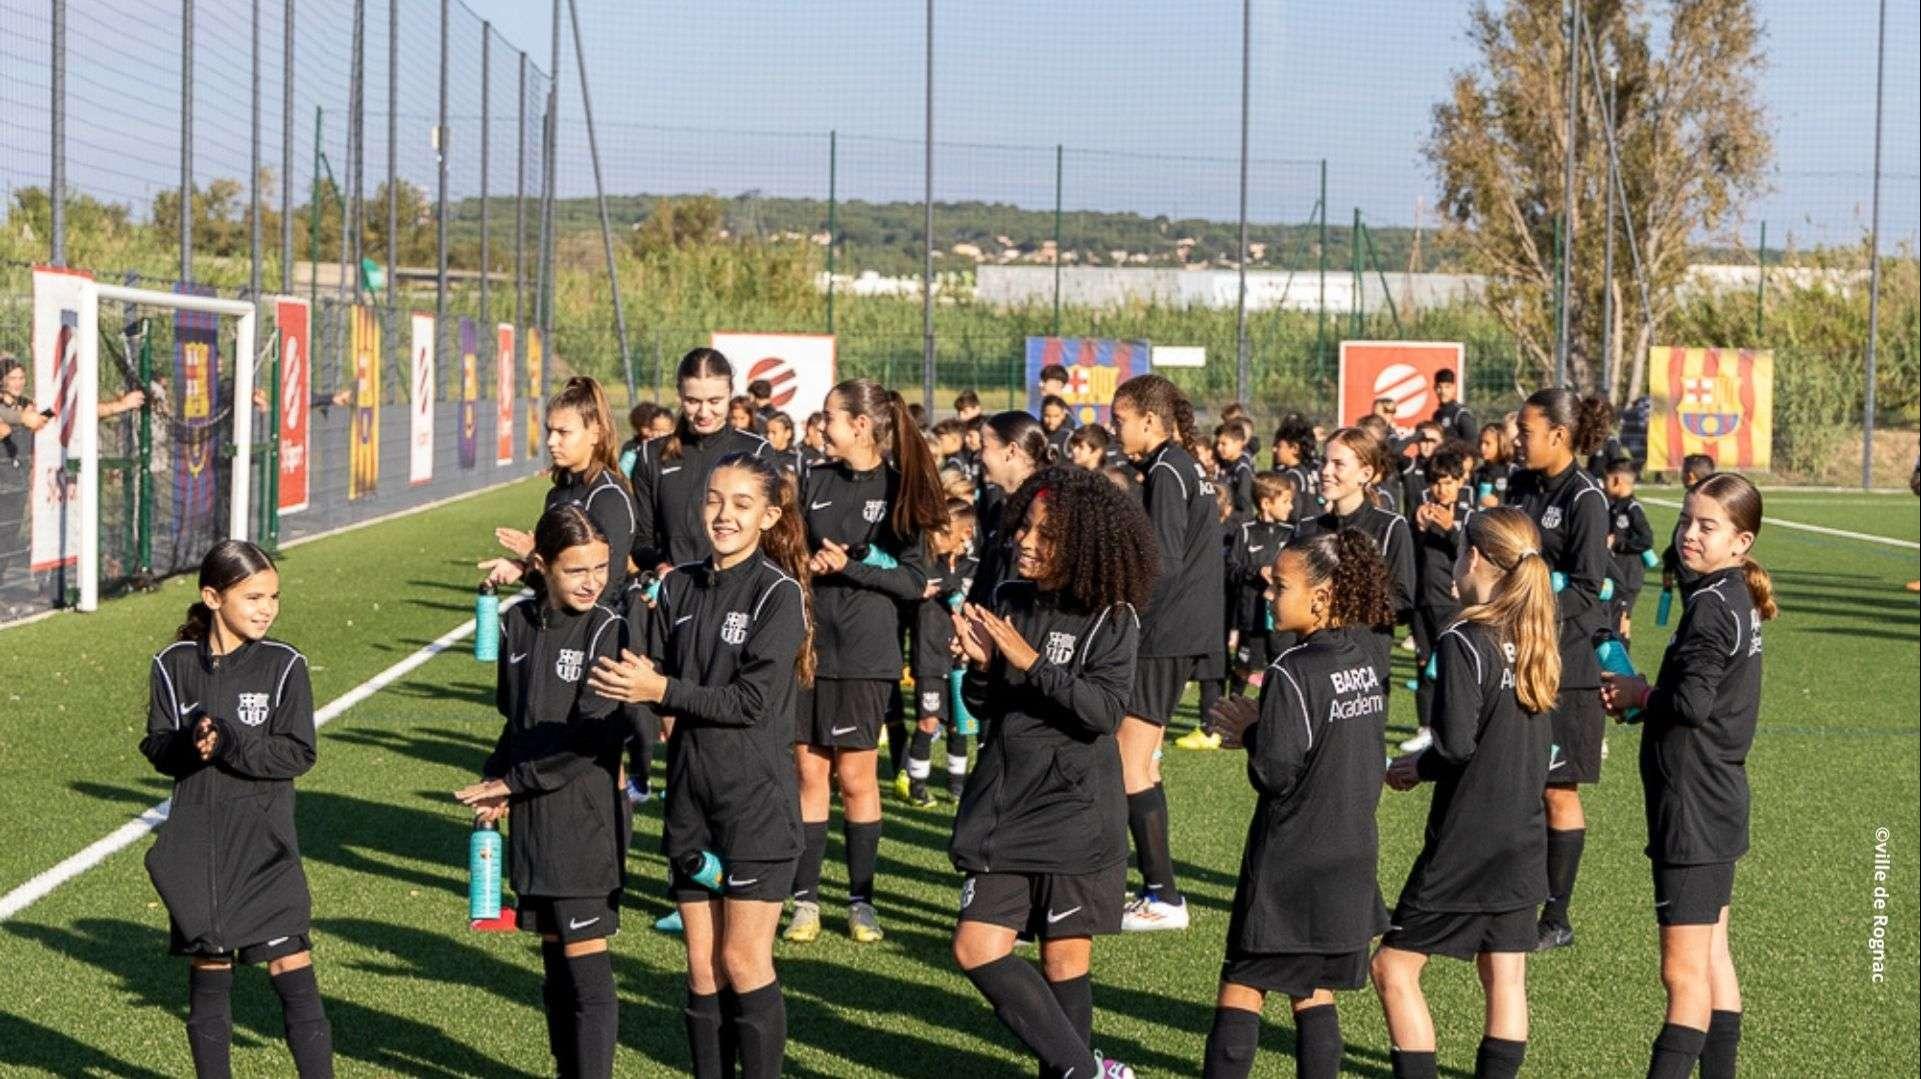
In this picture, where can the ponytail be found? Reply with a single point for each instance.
(585, 396)
(1025, 433)
(785, 545)
(1523, 611)
(1588, 420)
(1760, 589)
(1158, 395)
(226, 564)
(1369, 450)
(921, 504)
(1350, 564)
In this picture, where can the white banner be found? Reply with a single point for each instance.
(56, 387)
(1178, 356)
(799, 365)
(420, 464)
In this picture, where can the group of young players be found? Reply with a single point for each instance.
(752, 601)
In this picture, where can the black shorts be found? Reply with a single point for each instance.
(248, 955)
(1158, 684)
(930, 697)
(844, 713)
(1579, 726)
(1692, 894)
(570, 917)
(1461, 935)
(1047, 905)
(767, 882)
(1298, 974)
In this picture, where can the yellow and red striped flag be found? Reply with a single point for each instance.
(1717, 401)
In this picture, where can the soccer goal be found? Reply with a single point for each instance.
(185, 436)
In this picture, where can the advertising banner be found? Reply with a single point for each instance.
(420, 434)
(294, 320)
(1402, 371)
(1095, 366)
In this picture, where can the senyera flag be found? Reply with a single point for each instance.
(1717, 401)
(294, 320)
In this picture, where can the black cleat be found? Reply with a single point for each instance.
(1553, 936)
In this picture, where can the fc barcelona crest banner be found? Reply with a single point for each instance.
(196, 386)
(363, 448)
(1717, 401)
(469, 394)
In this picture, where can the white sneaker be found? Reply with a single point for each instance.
(1408, 645)
(1146, 914)
(637, 794)
(1422, 739)
(1112, 1069)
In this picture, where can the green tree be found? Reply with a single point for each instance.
(1692, 140)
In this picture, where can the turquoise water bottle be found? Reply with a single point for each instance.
(1650, 559)
(486, 623)
(1607, 589)
(1483, 490)
(1559, 580)
(483, 872)
(1666, 607)
(703, 868)
(1614, 660)
(878, 558)
(964, 720)
(1267, 615)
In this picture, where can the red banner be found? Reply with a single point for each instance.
(293, 319)
(1400, 371)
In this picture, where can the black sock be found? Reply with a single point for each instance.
(704, 1020)
(210, 1021)
(1147, 820)
(762, 1025)
(308, 1034)
(1563, 864)
(1231, 1044)
(896, 741)
(1210, 696)
(1317, 1042)
(920, 748)
(729, 1031)
(557, 997)
(596, 1013)
(1499, 1058)
(1723, 1045)
(1412, 1065)
(813, 851)
(863, 849)
(1076, 998)
(1676, 1049)
(1021, 1001)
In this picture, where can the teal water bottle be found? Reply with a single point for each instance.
(1559, 580)
(964, 720)
(1614, 660)
(878, 558)
(1665, 608)
(703, 868)
(486, 623)
(1267, 615)
(1483, 490)
(483, 872)
(1607, 589)
(1650, 559)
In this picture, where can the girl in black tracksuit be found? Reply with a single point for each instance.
(1040, 830)
(1629, 537)
(1698, 726)
(1558, 429)
(950, 576)
(582, 444)
(230, 721)
(1492, 469)
(1294, 450)
(1474, 888)
(868, 512)
(1308, 903)
(670, 474)
(1013, 447)
(556, 767)
(1352, 467)
(1251, 556)
(1445, 507)
(725, 643)
(1155, 425)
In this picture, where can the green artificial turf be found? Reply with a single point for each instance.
(86, 986)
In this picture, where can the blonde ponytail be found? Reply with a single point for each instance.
(1523, 610)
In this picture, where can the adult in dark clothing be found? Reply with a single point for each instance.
(1455, 420)
(670, 474)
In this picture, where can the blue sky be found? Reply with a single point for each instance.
(730, 96)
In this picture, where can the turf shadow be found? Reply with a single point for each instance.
(157, 790)
(335, 828)
(28, 1045)
(467, 693)
(463, 755)
(817, 988)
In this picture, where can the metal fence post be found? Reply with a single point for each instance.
(393, 177)
(186, 140)
(1059, 169)
(520, 204)
(927, 231)
(1761, 287)
(1562, 331)
(286, 147)
(1320, 325)
(440, 197)
(833, 236)
(486, 119)
(356, 151)
(1874, 253)
(57, 138)
(600, 197)
(1240, 306)
(253, 162)
(1609, 368)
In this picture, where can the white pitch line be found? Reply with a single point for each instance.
(129, 833)
(1843, 533)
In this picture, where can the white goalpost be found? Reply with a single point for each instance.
(66, 341)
